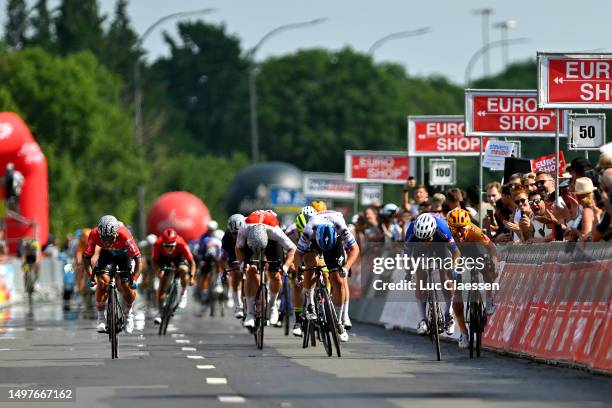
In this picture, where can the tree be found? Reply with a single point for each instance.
(17, 23)
(79, 27)
(205, 77)
(41, 24)
(121, 48)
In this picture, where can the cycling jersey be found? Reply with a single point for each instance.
(275, 233)
(293, 233)
(325, 217)
(442, 234)
(228, 247)
(181, 250)
(471, 233)
(206, 243)
(123, 243)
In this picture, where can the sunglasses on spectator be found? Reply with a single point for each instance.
(541, 182)
(520, 201)
(535, 201)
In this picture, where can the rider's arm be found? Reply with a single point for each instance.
(137, 265)
(87, 266)
(353, 254)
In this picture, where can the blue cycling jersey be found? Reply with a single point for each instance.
(442, 234)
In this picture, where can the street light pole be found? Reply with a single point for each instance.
(504, 26)
(253, 76)
(485, 13)
(394, 36)
(485, 49)
(138, 131)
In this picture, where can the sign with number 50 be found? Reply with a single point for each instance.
(588, 131)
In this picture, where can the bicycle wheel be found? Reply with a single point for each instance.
(334, 324)
(167, 308)
(260, 319)
(111, 322)
(305, 333)
(434, 328)
(323, 319)
(286, 305)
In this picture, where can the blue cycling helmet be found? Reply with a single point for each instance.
(326, 236)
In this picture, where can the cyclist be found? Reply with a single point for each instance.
(427, 228)
(465, 232)
(277, 242)
(208, 255)
(171, 250)
(29, 252)
(294, 232)
(327, 235)
(229, 259)
(118, 249)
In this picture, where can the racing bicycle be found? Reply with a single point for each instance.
(171, 297)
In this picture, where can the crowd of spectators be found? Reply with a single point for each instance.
(523, 208)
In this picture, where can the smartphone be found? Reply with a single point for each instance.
(490, 213)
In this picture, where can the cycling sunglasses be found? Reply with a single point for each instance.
(169, 245)
(108, 238)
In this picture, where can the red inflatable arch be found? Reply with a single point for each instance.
(17, 146)
(181, 210)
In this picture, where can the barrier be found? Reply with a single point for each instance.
(49, 284)
(553, 304)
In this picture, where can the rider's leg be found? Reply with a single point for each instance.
(184, 272)
(310, 261)
(275, 283)
(339, 293)
(236, 283)
(421, 279)
(102, 282)
(129, 296)
(161, 290)
(448, 294)
(345, 310)
(250, 287)
(458, 309)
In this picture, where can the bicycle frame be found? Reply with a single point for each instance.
(170, 302)
(114, 315)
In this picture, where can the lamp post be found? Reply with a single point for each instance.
(253, 74)
(504, 26)
(394, 36)
(138, 131)
(485, 13)
(485, 49)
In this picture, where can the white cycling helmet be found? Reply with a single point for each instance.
(257, 237)
(389, 210)
(235, 222)
(212, 225)
(425, 226)
(219, 234)
(308, 210)
(151, 238)
(108, 226)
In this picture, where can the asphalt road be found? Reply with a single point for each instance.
(214, 362)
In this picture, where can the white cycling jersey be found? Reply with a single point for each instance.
(274, 234)
(326, 217)
(293, 233)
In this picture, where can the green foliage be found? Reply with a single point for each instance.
(72, 106)
(79, 27)
(17, 23)
(42, 25)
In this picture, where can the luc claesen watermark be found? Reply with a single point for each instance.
(411, 264)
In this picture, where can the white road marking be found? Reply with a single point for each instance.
(216, 380)
(174, 335)
(196, 357)
(140, 345)
(205, 367)
(183, 341)
(231, 399)
(188, 349)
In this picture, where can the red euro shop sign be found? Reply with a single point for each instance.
(382, 167)
(440, 136)
(575, 80)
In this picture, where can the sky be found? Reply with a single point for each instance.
(455, 31)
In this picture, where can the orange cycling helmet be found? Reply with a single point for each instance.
(458, 218)
(319, 205)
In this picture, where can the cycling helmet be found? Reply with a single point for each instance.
(257, 237)
(85, 232)
(218, 234)
(235, 222)
(326, 236)
(151, 239)
(169, 236)
(300, 222)
(212, 225)
(108, 226)
(458, 218)
(308, 210)
(425, 226)
(388, 210)
(319, 205)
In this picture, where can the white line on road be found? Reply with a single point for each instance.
(231, 399)
(7, 349)
(140, 345)
(174, 335)
(216, 380)
(196, 357)
(182, 341)
(205, 367)
(188, 349)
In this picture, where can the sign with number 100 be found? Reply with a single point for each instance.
(442, 172)
(587, 131)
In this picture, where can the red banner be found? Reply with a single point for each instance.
(547, 163)
(440, 136)
(378, 167)
(580, 81)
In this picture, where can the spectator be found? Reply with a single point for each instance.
(12, 182)
(526, 227)
(403, 220)
(591, 214)
(603, 231)
(437, 204)
(420, 198)
(493, 190)
(373, 232)
(3, 251)
(390, 228)
(529, 182)
(515, 179)
(542, 226)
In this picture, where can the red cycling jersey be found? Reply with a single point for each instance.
(181, 248)
(266, 217)
(124, 241)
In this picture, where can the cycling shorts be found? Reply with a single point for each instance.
(273, 253)
(111, 261)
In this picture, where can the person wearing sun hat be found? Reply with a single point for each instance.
(591, 214)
